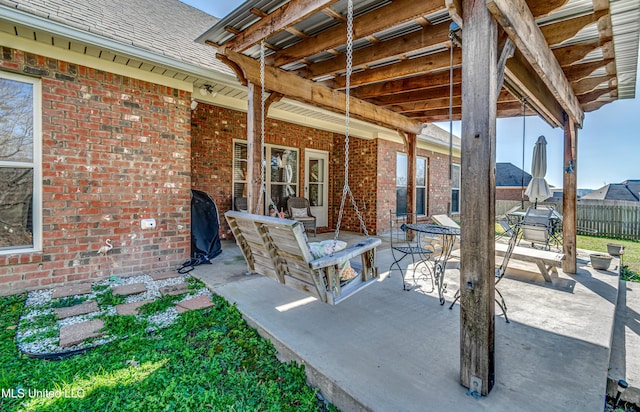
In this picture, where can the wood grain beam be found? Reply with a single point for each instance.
(284, 17)
(559, 32)
(420, 82)
(438, 103)
(569, 55)
(592, 96)
(307, 91)
(588, 84)
(417, 96)
(405, 68)
(580, 71)
(520, 76)
(538, 8)
(516, 19)
(430, 38)
(390, 15)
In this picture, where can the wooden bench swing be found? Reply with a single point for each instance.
(278, 248)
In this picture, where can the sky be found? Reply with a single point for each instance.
(608, 143)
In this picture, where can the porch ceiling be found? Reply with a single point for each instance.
(583, 57)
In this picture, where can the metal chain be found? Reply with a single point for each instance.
(262, 162)
(346, 189)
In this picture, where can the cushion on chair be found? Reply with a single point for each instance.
(299, 212)
(327, 247)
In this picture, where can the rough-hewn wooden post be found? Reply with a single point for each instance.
(477, 271)
(254, 148)
(411, 174)
(569, 197)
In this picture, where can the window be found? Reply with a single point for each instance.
(421, 186)
(402, 179)
(20, 164)
(281, 174)
(455, 188)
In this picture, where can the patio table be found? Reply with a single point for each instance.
(438, 263)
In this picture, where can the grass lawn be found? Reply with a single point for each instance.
(207, 360)
(599, 244)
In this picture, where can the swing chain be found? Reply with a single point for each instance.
(262, 162)
(346, 189)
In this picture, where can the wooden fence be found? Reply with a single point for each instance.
(613, 221)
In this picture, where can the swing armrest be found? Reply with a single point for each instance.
(345, 254)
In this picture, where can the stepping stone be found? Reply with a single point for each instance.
(199, 302)
(174, 289)
(76, 310)
(71, 335)
(71, 290)
(164, 275)
(132, 289)
(131, 308)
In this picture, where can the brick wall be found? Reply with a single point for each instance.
(213, 130)
(115, 150)
(362, 181)
(510, 193)
(439, 191)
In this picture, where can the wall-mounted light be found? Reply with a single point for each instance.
(194, 104)
(206, 89)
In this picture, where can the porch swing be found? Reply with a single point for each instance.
(278, 248)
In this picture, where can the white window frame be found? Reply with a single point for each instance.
(426, 180)
(455, 186)
(425, 186)
(267, 173)
(35, 164)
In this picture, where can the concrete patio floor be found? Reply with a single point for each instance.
(385, 349)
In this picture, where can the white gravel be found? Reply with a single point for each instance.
(38, 304)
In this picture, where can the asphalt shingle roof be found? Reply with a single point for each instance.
(628, 190)
(164, 27)
(508, 174)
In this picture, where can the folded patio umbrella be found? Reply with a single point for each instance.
(538, 189)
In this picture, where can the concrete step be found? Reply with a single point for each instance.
(624, 362)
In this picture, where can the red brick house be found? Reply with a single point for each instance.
(111, 135)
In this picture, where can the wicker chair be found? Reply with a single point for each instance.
(299, 209)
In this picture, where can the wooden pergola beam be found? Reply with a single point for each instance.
(556, 33)
(307, 91)
(420, 82)
(431, 37)
(569, 55)
(286, 16)
(519, 75)
(412, 67)
(516, 19)
(397, 12)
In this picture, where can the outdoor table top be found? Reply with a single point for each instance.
(433, 229)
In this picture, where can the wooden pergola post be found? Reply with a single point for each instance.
(569, 197)
(254, 147)
(411, 174)
(477, 271)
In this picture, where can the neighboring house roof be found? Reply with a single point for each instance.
(628, 190)
(509, 175)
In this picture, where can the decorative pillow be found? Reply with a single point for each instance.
(327, 247)
(299, 212)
